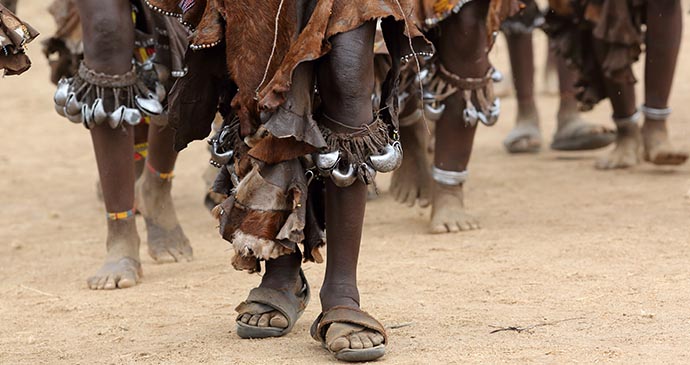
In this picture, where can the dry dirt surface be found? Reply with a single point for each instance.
(591, 266)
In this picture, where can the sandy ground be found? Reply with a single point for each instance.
(595, 263)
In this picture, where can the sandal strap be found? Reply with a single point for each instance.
(349, 315)
(264, 300)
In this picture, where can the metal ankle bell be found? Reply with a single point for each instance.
(115, 118)
(150, 105)
(62, 92)
(60, 110)
(131, 116)
(344, 179)
(98, 113)
(494, 112)
(390, 160)
(482, 118)
(496, 76)
(470, 116)
(74, 118)
(327, 161)
(86, 119)
(72, 105)
(433, 109)
(434, 112)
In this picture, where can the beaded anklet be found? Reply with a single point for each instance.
(160, 175)
(118, 216)
(141, 150)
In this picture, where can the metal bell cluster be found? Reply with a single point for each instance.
(471, 116)
(69, 106)
(433, 108)
(221, 148)
(345, 174)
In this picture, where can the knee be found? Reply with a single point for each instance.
(471, 32)
(108, 29)
(468, 43)
(106, 35)
(349, 76)
(470, 20)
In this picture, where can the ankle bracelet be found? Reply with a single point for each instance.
(118, 216)
(141, 150)
(654, 113)
(160, 175)
(633, 119)
(452, 178)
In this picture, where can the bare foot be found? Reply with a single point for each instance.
(627, 151)
(448, 211)
(166, 240)
(657, 147)
(411, 183)
(121, 268)
(526, 135)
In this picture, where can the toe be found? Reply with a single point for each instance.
(187, 252)
(111, 282)
(156, 254)
(101, 282)
(245, 318)
(366, 341)
(411, 198)
(339, 344)
(438, 228)
(356, 342)
(254, 320)
(453, 228)
(424, 198)
(128, 280)
(376, 338)
(464, 226)
(92, 282)
(602, 164)
(173, 253)
(279, 321)
(519, 145)
(264, 320)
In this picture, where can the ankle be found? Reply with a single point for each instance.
(567, 112)
(340, 294)
(527, 109)
(123, 239)
(283, 273)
